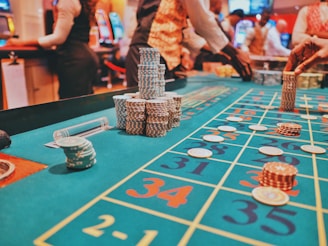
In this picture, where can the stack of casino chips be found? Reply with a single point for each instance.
(161, 80)
(79, 152)
(135, 116)
(289, 129)
(157, 118)
(288, 93)
(150, 74)
(177, 112)
(278, 175)
(170, 109)
(120, 108)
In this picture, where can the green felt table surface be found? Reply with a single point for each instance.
(148, 191)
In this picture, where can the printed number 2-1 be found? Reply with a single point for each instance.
(108, 220)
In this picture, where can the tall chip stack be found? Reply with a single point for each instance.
(120, 107)
(177, 110)
(151, 111)
(157, 118)
(135, 116)
(150, 74)
(161, 80)
(171, 109)
(288, 93)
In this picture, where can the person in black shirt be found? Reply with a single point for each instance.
(77, 63)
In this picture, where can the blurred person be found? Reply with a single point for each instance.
(200, 51)
(312, 20)
(77, 64)
(306, 54)
(274, 45)
(161, 24)
(229, 23)
(255, 41)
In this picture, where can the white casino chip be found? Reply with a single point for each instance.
(200, 153)
(213, 138)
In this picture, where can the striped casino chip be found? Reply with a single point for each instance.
(171, 108)
(288, 93)
(289, 129)
(120, 109)
(280, 168)
(151, 80)
(149, 55)
(79, 152)
(135, 116)
(283, 187)
(279, 175)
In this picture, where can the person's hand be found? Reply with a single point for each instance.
(240, 61)
(14, 42)
(306, 54)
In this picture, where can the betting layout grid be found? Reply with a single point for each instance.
(211, 198)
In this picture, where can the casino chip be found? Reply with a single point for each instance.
(325, 116)
(278, 175)
(309, 117)
(267, 107)
(258, 128)
(270, 196)
(213, 138)
(79, 152)
(289, 129)
(288, 93)
(234, 119)
(200, 153)
(268, 150)
(6, 168)
(306, 106)
(227, 128)
(313, 149)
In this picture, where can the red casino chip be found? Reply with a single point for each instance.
(279, 175)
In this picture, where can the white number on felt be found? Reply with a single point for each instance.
(96, 229)
(109, 220)
(148, 238)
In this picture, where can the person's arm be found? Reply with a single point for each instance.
(192, 41)
(274, 44)
(250, 33)
(306, 54)
(299, 31)
(318, 34)
(67, 11)
(205, 24)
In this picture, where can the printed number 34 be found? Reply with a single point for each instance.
(175, 197)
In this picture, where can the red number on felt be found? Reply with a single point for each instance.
(152, 188)
(175, 197)
(232, 136)
(250, 112)
(254, 177)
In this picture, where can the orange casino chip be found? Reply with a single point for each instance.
(279, 175)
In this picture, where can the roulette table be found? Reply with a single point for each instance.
(149, 191)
